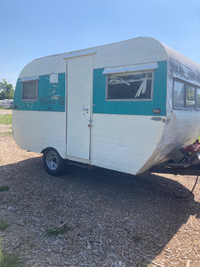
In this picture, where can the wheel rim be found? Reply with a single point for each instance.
(52, 160)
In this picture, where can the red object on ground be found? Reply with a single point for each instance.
(195, 147)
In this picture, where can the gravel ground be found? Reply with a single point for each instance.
(114, 219)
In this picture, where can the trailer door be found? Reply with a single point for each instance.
(79, 91)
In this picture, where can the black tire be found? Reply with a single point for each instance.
(53, 163)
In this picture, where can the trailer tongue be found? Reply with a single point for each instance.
(183, 158)
(186, 156)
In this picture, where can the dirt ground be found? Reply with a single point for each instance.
(5, 111)
(114, 219)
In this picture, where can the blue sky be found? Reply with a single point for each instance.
(34, 28)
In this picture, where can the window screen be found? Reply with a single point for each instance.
(30, 90)
(129, 86)
(179, 94)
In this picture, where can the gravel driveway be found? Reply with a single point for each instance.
(112, 219)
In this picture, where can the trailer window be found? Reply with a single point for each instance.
(190, 96)
(129, 86)
(198, 97)
(30, 90)
(179, 94)
(186, 95)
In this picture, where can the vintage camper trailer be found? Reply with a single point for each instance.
(123, 106)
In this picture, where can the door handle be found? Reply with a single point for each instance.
(85, 109)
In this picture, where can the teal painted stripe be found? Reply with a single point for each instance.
(51, 96)
(100, 105)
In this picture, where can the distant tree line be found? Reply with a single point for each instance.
(6, 90)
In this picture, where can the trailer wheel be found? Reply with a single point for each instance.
(53, 163)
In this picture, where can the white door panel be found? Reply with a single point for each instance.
(79, 88)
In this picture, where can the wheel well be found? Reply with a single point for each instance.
(51, 148)
(46, 149)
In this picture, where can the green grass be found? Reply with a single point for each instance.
(136, 238)
(4, 188)
(9, 260)
(142, 263)
(6, 134)
(58, 230)
(6, 119)
(3, 225)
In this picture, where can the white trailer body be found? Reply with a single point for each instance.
(122, 106)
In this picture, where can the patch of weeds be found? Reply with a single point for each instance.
(6, 119)
(3, 225)
(9, 260)
(6, 134)
(142, 263)
(4, 188)
(58, 230)
(136, 238)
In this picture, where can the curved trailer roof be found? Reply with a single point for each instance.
(135, 51)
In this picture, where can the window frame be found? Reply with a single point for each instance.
(173, 97)
(130, 99)
(185, 83)
(28, 81)
(198, 108)
(195, 97)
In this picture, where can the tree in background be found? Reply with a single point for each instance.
(6, 90)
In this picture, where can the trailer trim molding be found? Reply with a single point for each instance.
(135, 68)
(80, 53)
